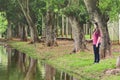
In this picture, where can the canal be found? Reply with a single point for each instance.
(15, 65)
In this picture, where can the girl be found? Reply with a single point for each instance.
(96, 37)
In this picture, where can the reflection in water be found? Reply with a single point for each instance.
(15, 65)
(49, 72)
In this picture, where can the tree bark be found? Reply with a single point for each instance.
(57, 25)
(78, 35)
(63, 25)
(50, 29)
(119, 28)
(66, 27)
(9, 31)
(23, 33)
(118, 62)
(43, 27)
(101, 19)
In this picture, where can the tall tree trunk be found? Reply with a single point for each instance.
(57, 25)
(63, 26)
(119, 28)
(78, 35)
(9, 31)
(66, 27)
(101, 19)
(43, 27)
(34, 33)
(26, 31)
(70, 29)
(19, 30)
(23, 33)
(25, 9)
(16, 32)
(50, 29)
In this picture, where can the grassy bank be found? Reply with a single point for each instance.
(80, 65)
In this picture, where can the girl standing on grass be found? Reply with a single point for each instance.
(96, 37)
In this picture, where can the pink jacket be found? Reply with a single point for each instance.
(95, 36)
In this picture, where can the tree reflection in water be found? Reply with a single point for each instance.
(22, 67)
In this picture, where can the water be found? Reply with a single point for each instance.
(15, 65)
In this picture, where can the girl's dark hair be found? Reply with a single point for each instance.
(97, 28)
(96, 24)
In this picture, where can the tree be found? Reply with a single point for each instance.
(24, 5)
(52, 8)
(16, 21)
(3, 23)
(77, 17)
(101, 11)
(102, 19)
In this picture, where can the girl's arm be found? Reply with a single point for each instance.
(98, 41)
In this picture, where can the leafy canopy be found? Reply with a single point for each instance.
(78, 10)
(110, 7)
(3, 22)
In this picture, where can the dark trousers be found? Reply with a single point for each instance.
(96, 53)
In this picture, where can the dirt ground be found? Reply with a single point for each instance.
(69, 44)
(114, 48)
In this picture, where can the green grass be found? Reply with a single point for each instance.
(24, 48)
(83, 65)
(80, 65)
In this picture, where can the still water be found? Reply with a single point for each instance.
(15, 65)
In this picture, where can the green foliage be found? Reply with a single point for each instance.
(14, 13)
(77, 11)
(55, 5)
(110, 7)
(3, 22)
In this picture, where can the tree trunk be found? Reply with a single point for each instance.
(119, 29)
(9, 31)
(118, 62)
(57, 26)
(23, 33)
(101, 19)
(70, 30)
(26, 30)
(78, 35)
(66, 27)
(50, 30)
(34, 34)
(43, 27)
(63, 25)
